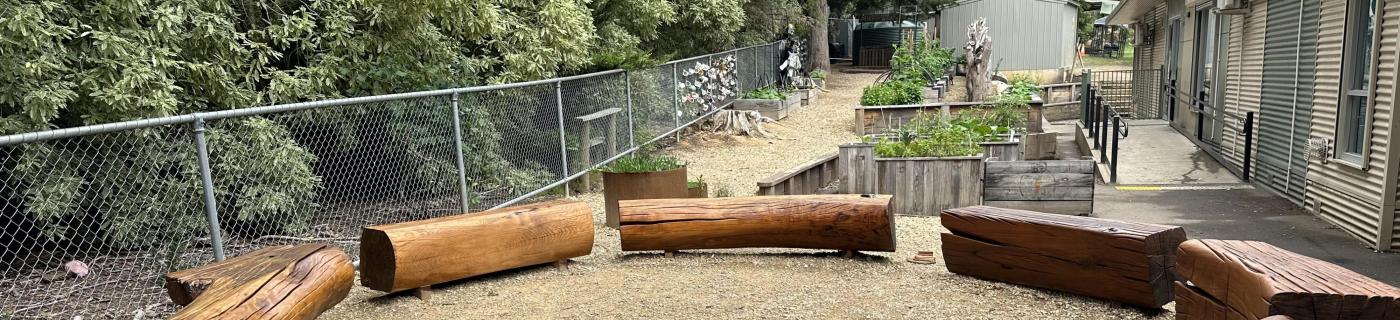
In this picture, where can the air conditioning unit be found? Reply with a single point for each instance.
(1231, 6)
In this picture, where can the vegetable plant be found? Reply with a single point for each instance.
(765, 94)
(643, 162)
(817, 74)
(894, 92)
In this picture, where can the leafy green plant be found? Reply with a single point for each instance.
(723, 192)
(894, 92)
(765, 94)
(643, 162)
(935, 136)
(817, 74)
(920, 61)
(695, 183)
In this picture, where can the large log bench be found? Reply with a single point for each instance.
(1108, 259)
(838, 222)
(1233, 279)
(279, 282)
(417, 254)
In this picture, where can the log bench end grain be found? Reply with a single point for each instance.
(409, 255)
(1108, 259)
(278, 282)
(1258, 280)
(836, 222)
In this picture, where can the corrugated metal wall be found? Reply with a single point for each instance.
(1026, 34)
(1285, 113)
(1342, 195)
(1243, 77)
(1385, 94)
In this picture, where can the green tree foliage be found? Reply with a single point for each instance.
(701, 26)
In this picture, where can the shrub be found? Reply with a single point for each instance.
(894, 92)
(765, 94)
(817, 74)
(920, 61)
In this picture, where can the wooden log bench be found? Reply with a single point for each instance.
(1234, 279)
(1055, 186)
(279, 282)
(1107, 259)
(418, 254)
(837, 222)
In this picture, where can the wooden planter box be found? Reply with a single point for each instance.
(645, 185)
(1003, 150)
(775, 109)
(807, 95)
(927, 186)
(814, 84)
(703, 191)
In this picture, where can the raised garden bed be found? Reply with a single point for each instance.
(928, 185)
(775, 109)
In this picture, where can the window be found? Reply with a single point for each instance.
(1354, 114)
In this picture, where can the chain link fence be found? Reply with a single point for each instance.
(135, 200)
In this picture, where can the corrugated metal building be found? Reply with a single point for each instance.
(1026, 34)
(1318, 74)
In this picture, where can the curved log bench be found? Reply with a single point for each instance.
(280, 282)
(838, 222)
(411, 255)
(1233, 279)
(1107, 259)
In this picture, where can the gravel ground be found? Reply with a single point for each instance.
(749, 283)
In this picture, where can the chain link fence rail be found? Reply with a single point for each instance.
(135, 200)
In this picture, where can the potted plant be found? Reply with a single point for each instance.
(697, 188)
(641, 176)
(929, 166)
(769, 102)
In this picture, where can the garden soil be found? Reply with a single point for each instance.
(747, 283)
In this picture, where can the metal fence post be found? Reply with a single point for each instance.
(631, 131)
(1113, 166)
(206, 177)
(461, 163)
(563, 146)
(1084, 94)
(676, 99)
(757, 76)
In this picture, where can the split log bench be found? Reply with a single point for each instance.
(1233, 279)
(1108, 259)
(418, 254)
(837, 222)
(279, 282)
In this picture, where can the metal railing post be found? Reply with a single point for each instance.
(1103, 132)
(631, 130)
(1113, 166)
(461, 163)
(676, 99)
(1248, 144)
(757, 77)
(1086, 95)
(563, 146)
(206, 177)
(1093, 123)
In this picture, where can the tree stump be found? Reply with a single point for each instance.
(838, 222)
(403, 256)
(280, 282)
(979, 52)
(1257, 280)
(1108, 259)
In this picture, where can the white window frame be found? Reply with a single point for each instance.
(1350, 90)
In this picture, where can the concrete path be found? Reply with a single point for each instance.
(1247, 214)
(1154, 153)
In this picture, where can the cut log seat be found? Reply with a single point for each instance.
(280, 282)
(409, 255)
(1108, 259)
(1258, 280)
(838, 222)
(1191, 304)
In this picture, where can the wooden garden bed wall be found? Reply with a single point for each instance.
(808, 178)
(927, 186)
(882, 119)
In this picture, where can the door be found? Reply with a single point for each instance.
(1203, 76)
(1171, 70)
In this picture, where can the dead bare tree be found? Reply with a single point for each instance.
(979, 52)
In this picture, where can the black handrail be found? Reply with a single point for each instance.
(1103, 122)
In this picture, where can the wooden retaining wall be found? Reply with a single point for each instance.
(1059, 186)
(808, 178)
(927, 186)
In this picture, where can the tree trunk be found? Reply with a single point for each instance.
(839, 222)
(979, 52)
(817, 45)
(1258, 280)
(281, 282)
(415, 254)
(1114, 260)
